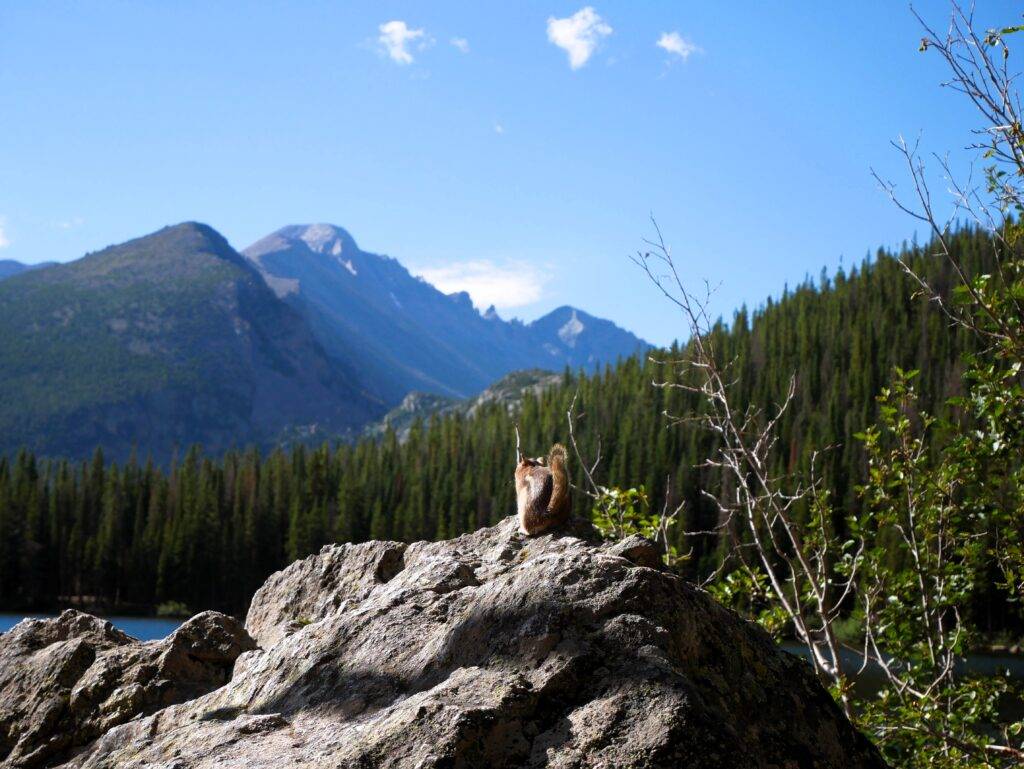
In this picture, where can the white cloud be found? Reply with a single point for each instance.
(677, 45)
(67, 224)
(461, 43)
(4, 240)
(578, 34)
(395, 39)
(504, 286)
(499, 128)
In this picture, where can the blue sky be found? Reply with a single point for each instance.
(516, 149)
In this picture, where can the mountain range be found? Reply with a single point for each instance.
(176, 338)
(407, 335)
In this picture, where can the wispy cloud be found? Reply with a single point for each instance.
(499, 128)
(396, 38)
(677, 45)
(505, 286)
(578, 35)
(461, 43)
(67, 224)
(4, 240)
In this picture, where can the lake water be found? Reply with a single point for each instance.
(870, 682)
(143, 628)
(979, 664)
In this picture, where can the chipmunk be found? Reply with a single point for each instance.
(542, 492)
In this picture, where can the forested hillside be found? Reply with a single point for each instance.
(159, 342)
(207, 532)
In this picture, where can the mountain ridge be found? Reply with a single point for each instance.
(10, 267)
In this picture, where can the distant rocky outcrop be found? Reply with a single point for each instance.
(490, 650)
(509, 391)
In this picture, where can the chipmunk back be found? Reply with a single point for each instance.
(542, 492)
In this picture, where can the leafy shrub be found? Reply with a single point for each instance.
(173, 609)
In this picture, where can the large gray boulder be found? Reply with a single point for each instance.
(66, 681)
(494, 650)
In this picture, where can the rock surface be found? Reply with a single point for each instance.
(66, 681)
(490, 650)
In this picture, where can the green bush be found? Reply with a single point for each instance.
(173, 609)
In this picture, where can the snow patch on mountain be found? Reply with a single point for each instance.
(318, 236)
(571, 330)
(282, 287)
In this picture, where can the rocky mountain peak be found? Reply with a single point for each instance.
(487, 650)
(327, 239)
(461, 298)
(324, 239)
